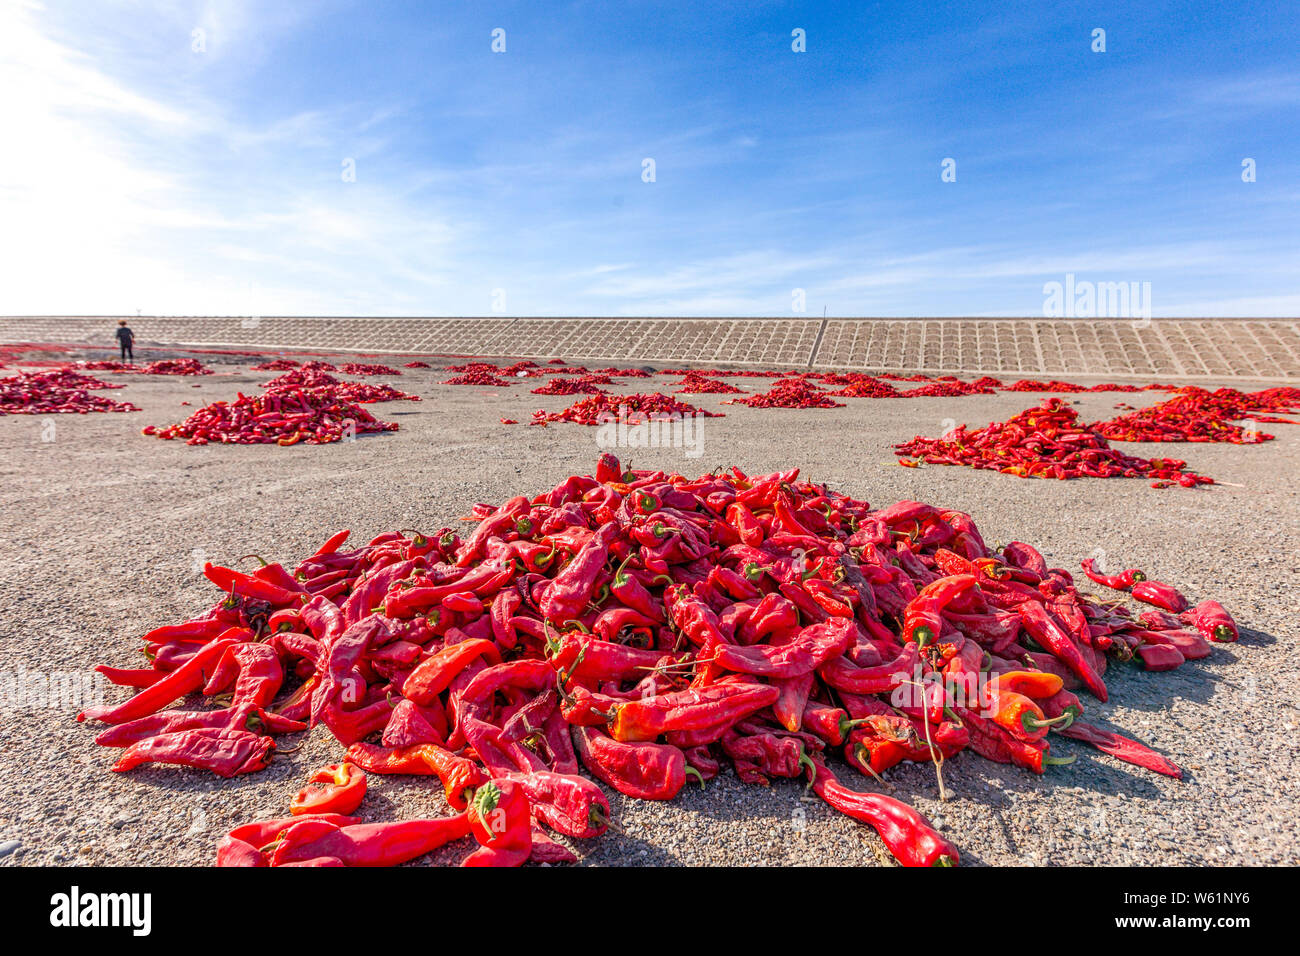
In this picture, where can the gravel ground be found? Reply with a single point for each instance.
(105, 531)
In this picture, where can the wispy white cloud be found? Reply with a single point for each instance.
(115, 200)
(141, 172)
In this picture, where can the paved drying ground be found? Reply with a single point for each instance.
(103, 529)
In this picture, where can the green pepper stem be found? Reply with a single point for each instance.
(692, 772)
(1032, 723)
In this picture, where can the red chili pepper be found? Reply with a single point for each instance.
(434, 674)
(647, 771)
(363, 844)
(1043, 629)
(124, 677)
(1119, 582)
(1122, 748)
(1161, 595)
(1190, 644)
(225, 751)
(1019, 715)
(344, 789)
(500, 819)
(457, 773)
(332, 543)
(255, 671)
(1035, 684)
(906, 833)
(245, 585)
(186, 679)
(608, 468)
(1160, 657)
(587, 659)
(525, 674)
(811, 648)
(687, 710)
(843, 674)
(1213, 621)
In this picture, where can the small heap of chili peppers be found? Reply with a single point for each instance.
(570, 386)
(56, 392)
(416, 364)
(360, 368)
(282, 416)
(1195, 414)
(105, 365)
(303, 378)
(623, 409)
(945, 389)
(1033, 385)
(646, 627)
(478, 377)
(696, 383)
(64, 378)
(866, 387)
(362, 393)
(366, 393)
(1043, 442)
(622, 372)
(179, 366)
(275, 365)
(792, 392)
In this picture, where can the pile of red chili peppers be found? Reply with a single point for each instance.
(363, 393)
(583, 385)
(360, 368)
(283, 416)
(866, 387)
(1044, 442)
(791, 392)
(478, 377)
(1198, 415)
(696, 383)
(646, 627)
(303, 378)
(366, 393)
(56, 392)
(179, 366)
(622, 409)
(276, 365)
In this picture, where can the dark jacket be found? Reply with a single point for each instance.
(124, 335)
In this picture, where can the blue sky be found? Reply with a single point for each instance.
(138, 172)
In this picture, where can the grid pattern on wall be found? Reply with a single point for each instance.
(1163, 348)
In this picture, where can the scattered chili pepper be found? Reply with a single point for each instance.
(1161, 595)
(338, 788)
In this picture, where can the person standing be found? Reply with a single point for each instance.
(125, 339)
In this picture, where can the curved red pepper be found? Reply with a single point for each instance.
(344, 787)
